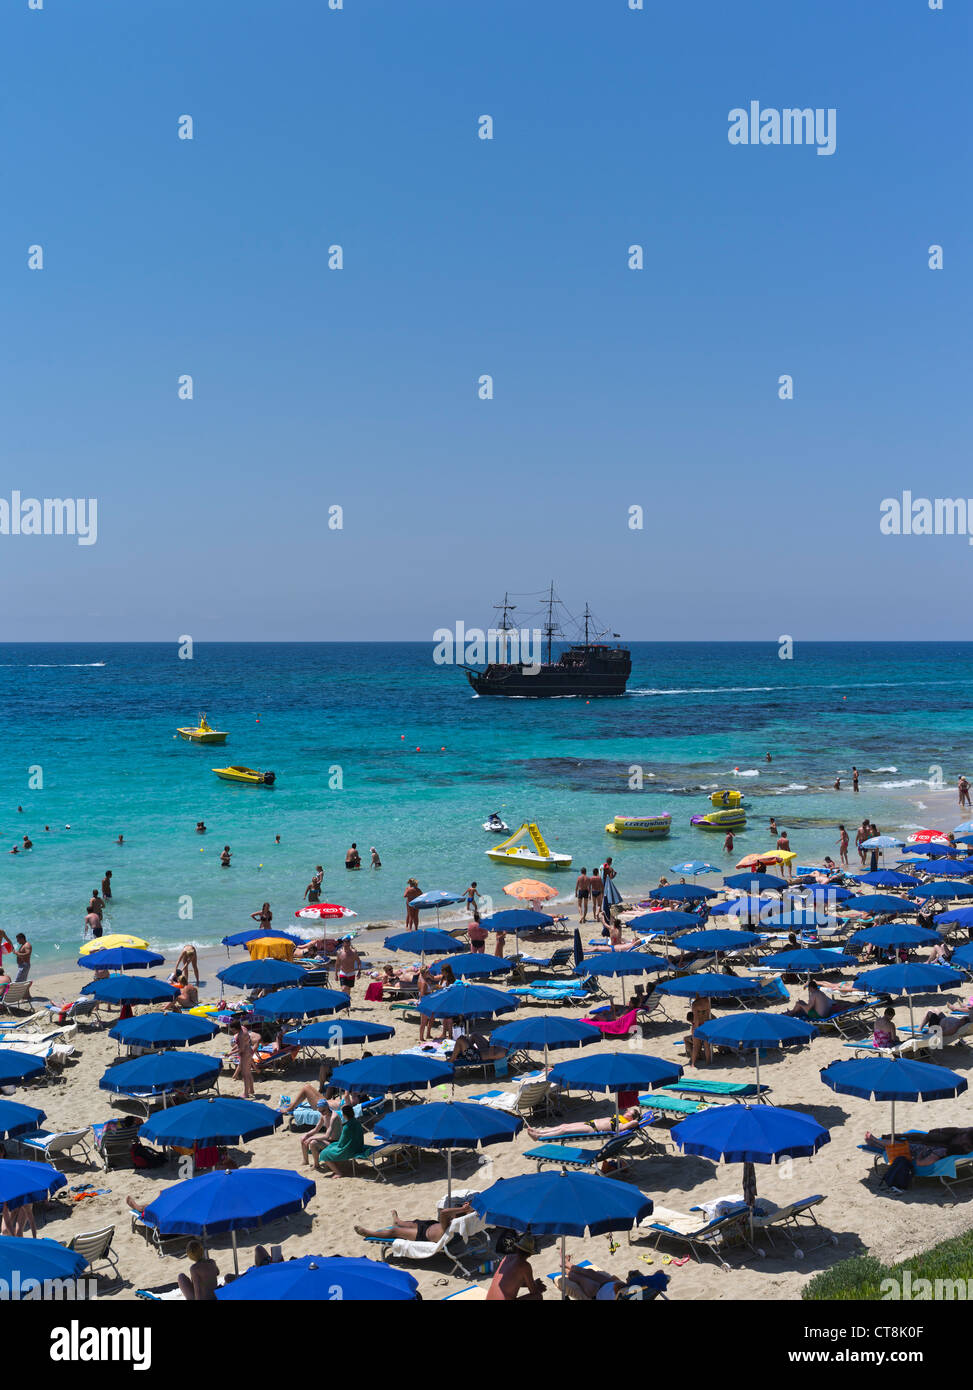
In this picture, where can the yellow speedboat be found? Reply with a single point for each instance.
(248, 775)
(202, 733)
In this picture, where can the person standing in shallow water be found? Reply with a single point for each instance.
(225, 857)
(106, 885)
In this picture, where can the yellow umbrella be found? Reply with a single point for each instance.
(270, 948)
(527, 888)
(105, 943)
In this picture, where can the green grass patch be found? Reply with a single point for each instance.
(860, 1278)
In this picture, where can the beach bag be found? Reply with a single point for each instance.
(899, 1174)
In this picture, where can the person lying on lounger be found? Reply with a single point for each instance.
(470, 1048)
(818, 1005)
(595, 1283)
(419, 1230)
(610, 1125)
(948, 1024)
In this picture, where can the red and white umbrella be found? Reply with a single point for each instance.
(927, 837)
(325, 910)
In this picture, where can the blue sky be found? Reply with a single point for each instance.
(357, 387)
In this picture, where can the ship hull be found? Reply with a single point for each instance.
(549, 681)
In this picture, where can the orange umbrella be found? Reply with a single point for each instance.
(770, 856)
(527, 888)
(270, 947)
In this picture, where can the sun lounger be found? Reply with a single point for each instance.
(464, 1239)
(378, 1157)
(703, 1086)
(529, 1098)
(164, 1245)
(614, 1027)
(16, 994)
(95, 1246)
(950, 1171)
(653, 1286)
(671, 1106)
(564, 1156)
(473, 1293)
(849, 1021)
(81, 1012)
(688, 1229)
(786, 1219)
(50, 1145)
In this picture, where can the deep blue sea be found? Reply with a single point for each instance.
(422, 761)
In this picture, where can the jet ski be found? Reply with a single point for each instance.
(496, 825)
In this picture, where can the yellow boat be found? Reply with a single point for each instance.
(540, 857)
(640, 827)
(202, 733)
(721, 820)
(727, 799)
(248, 775)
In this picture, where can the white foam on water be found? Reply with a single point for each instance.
(912, 782)
(737, 772)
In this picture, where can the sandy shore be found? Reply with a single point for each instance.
(854, 1217)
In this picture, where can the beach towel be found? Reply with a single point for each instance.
(374, 991)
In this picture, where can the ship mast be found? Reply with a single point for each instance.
(505, 608)
(587, 616)
(549, 629)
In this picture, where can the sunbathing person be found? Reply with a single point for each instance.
(514, 1278)
(607, 1125)
(187, 998)
(948, 1024)
(419, 1230)
(819, 1004)
(309, 1094)
(471, 1048)
(595, 1283)
(269, 1053)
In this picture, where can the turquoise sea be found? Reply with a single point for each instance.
(422, 761)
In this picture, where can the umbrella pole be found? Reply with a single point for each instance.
(893, 1122)
(564, 1271)
(449, 1177)
(236, 1262)
(912, 1017)
(757, 1056)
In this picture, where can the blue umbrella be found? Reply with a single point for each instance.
(891, 936)
(562, 1204)
(619, 964)
(683, 893)
(317, 1278)
(391, 1072)
(934, 851)
(158, 1072)
(125, 989)
(614, 1071)
(756, 1033)
(547, 1031)
(515, 919)
(943, 891)
(473, 963)
(426, 941)
(467, 1001)
(228, 1201)
(243, 938)
(963, 956)
(23, 1182)
(886, 878)
(810, 958)
(880, 904)
(727, 939)
(910, 977)
(797, 919)
(449, 1125)
(892, 1079)
(437, 898)
(663, 923)
(261, 974)
(958, 916)
(948, 868)
(337, 1031)
(883, 842)
(163, 1030)
(38, 1260)
(831, 892)
(297, 1002)
(20, 1119)
(220, 1120)
(693, 866)
(965, 829)
(18, 1066)
(709, 986)
(121, 958)
(755, 883)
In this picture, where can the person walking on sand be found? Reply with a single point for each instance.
(24, 950)
(476, 935)
(861, 834)
(472, 897)
(843, 845)
(243, 1046)
(412, 890)
(963, 787)
(347, 963)
(582, 891)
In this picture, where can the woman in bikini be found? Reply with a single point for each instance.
(610, 1125)
(418, 1230)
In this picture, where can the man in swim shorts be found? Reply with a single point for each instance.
(348, 965)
